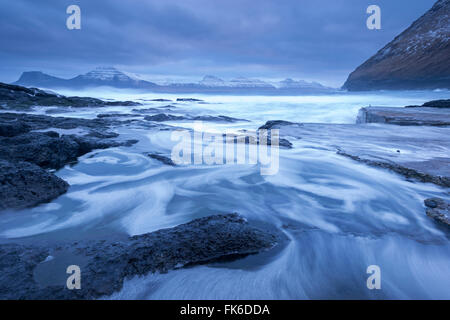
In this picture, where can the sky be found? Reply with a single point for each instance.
(314, 40)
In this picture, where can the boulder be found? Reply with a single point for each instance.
(439, 210)
(24, 184)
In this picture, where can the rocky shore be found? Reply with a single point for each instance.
(39, 272)
(439, 210)
(18, 97)
(412, 141)
(30, 146)
(433, 113)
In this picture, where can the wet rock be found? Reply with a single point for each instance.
(25, 273)
(154, 110)
(439, 210)
(168, 117)
(417, 59)
(217, 119)
(115, 115)
(23, 184)
(161, 158)
(48, 149)
(438, 104)
(13, 128)
(189, 100)
(416, 171)
(164, 117)
(18, 97)
(40, 122)
(417, 152)
(418, 116)
(274, 124)
(147, 110)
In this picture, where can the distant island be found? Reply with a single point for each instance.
(111, 77)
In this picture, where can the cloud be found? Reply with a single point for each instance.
(313, 39)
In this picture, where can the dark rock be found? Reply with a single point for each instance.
(161, 158)
(407, 170)
(18, 97)
(189, 100)
(13, 128)
(102, 76)
(433, 104)
(217, 119)
(115, 115)
(416, 152)
(168, 117)
(102, 134)
(163, 117)
(48, 150)
(23, 184)
(439, 210)
(106, 264)
(274, 123)
(169, 106)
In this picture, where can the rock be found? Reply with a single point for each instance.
(147, 110)
(439, 210)
(217, 119)
(23, 184)
(27, 153)
(416, 171)
(18, 97)
(115, 115)
(164, 117)
(274, 124)
(437, 104)
(48, 149)
(13, 128)
(161, 158)
(40, 122)
(417, 152)
(154, 110)
(416, 59)
(417, 116)
(25, 273)
(189, 100)
(168, 117)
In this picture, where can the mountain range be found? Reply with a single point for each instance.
(419, 58)
(109, 76)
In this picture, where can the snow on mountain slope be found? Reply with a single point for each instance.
(419, 58)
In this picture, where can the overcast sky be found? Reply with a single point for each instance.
(321, 40)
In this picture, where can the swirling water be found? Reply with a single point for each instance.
(340, 216)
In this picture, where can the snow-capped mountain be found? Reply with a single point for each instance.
(101, 76)
(419, 58)
(212, 81)
(242, 82)
(108, 76)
